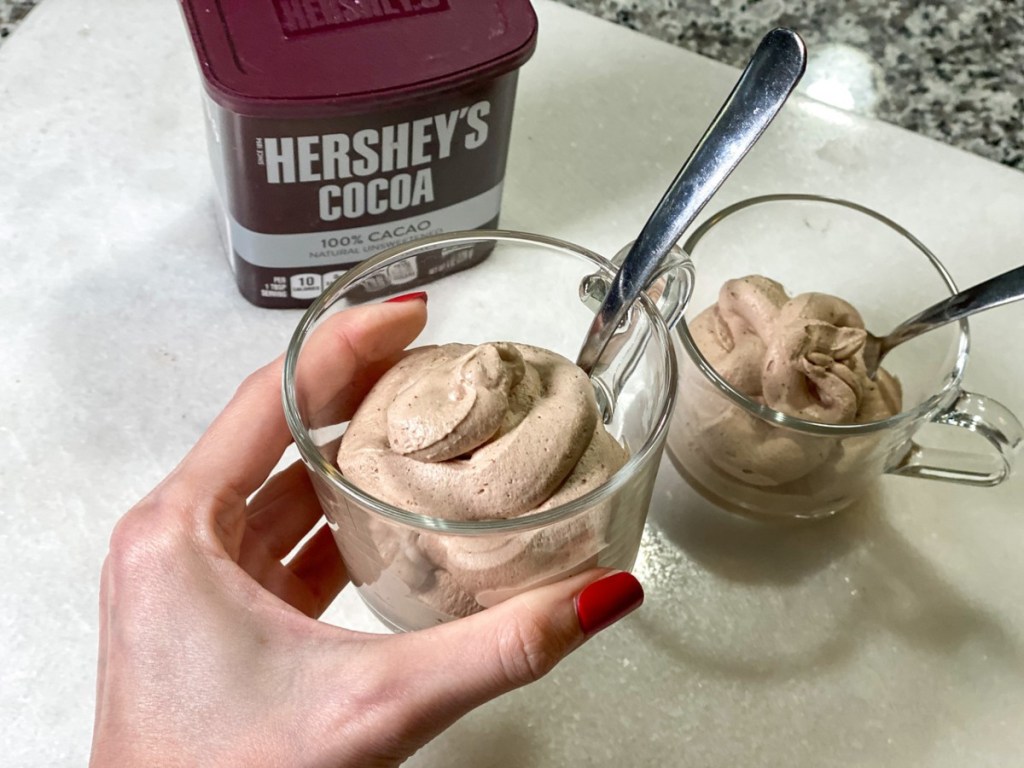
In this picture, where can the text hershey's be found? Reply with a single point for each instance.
(373, 152)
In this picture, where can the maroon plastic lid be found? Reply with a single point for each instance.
(274, 57)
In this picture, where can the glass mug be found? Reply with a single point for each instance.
(414, 570)
(791, 468)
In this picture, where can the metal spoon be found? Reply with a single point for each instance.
(994, 292)
(771, 75)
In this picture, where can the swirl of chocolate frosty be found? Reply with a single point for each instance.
(801, 356)
(445, 413)
(474, 433)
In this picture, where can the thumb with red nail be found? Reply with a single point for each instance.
(210, 649)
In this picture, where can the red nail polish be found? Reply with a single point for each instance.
(607, 600)
(416, 296)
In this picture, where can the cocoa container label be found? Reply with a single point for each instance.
(306, 199)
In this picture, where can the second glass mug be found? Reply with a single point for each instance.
(747, 458)
(415, 571)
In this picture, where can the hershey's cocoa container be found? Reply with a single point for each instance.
(338, 128)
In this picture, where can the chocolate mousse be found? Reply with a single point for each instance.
(801, 356)
(475, 433)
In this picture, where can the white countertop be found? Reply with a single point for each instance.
(891, 636)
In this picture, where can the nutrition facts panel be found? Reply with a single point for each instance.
(306, 285)
(309, 285)
(303, 285)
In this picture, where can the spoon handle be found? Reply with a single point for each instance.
(771, 75)
(994, 292)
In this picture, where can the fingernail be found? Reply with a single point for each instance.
(416, 296)
(607, 600)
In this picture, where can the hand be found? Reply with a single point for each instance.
(210, 651)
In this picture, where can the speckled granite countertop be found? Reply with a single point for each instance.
(952, 70)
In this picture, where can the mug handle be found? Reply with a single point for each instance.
(978, 414)
(670, 289)
(670, 286)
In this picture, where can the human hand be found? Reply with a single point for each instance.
(210, 651)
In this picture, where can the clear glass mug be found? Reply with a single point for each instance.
(795, 468)
(415, 571)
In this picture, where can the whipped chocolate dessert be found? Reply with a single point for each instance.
(802, 356)
(476, 433)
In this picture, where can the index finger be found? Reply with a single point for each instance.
(340, 362)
